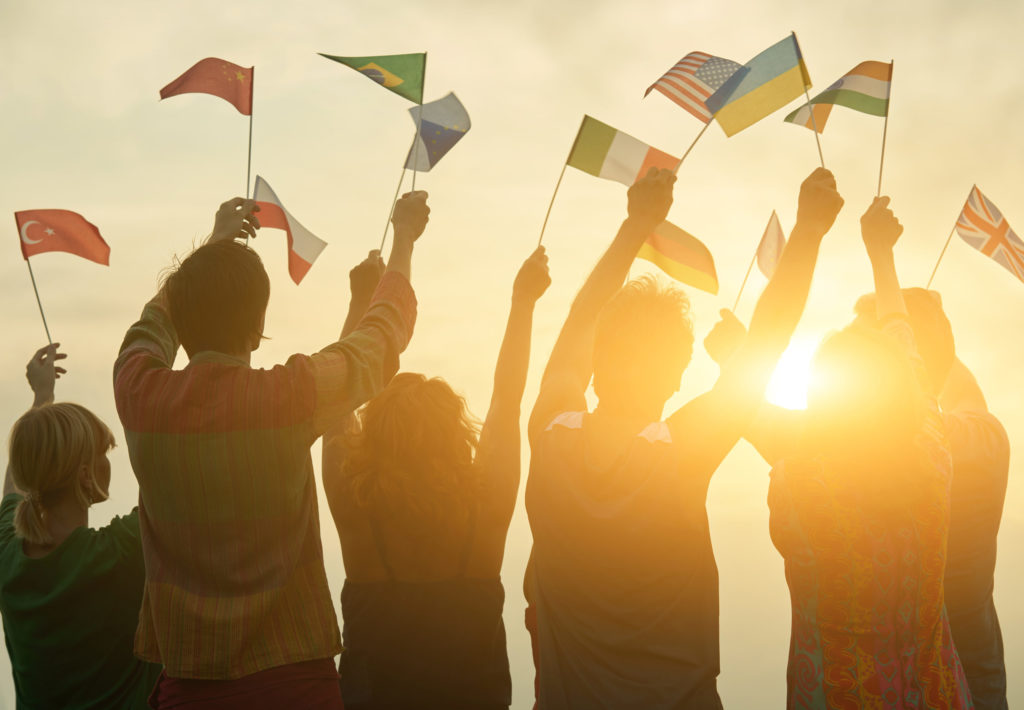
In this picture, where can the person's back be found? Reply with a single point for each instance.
(69, 617)
(422, 501)
(236, 600)
(69, 594)
(623, 575)
(981, 458)
(859, 510)
(643, 604)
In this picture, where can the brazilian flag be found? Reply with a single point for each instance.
(402, 73)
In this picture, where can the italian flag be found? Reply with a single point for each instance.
(303, 246)
(607, 153)
(864, 88)
(682, 256)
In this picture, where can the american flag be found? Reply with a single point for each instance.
(693, 79)
(981, 225)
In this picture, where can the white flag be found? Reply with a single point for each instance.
(770, 249)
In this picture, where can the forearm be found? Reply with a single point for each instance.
(514, 356)
(356, 310)
(400, 260)
(573, 348)
(888, 297)
(782, 303)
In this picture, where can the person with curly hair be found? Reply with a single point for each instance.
(422, 499)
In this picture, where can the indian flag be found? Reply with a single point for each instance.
(864, 88)
(607, 153)
(303, 246)
(682, 256)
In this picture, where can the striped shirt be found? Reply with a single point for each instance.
(235, 579)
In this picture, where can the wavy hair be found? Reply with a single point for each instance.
(47, 449)
(413, 455)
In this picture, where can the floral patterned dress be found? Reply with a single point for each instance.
(869, 625)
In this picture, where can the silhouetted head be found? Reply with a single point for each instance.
(414, 453)
(932, 331)
(642, 344)
(863, 399)
(57, 451)
(218, 299)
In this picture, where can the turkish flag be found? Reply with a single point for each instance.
(218, 78)
(60, 230)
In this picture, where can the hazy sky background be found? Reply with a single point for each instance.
(83, 130)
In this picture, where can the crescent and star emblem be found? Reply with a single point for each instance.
(24, 232)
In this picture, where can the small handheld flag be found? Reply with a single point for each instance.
(769, 250)
(440, 124)
(303, 246)
(216, 77)
(58, 230)
(400, 73)
(773, 78)
(983, 226)
(864, 88)
(608, 153)
(693, 79)
(682, 256)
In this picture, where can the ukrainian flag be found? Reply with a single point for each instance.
(776, 76)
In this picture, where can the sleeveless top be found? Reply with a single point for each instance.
(424, 644)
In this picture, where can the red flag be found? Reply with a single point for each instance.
(219, 78)
(60, 230)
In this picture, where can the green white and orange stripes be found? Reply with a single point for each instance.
(682, 256)
(864, 88)
(608, 153)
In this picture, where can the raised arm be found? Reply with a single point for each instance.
(880, 229)
(42, 372)
(717, 419)
(570, 366)
(498, 453)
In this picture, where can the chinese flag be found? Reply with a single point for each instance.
(219, 78)
(60, 230)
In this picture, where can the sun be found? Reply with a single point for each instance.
(788, 385)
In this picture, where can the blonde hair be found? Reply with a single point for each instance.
(48, 447)
(413, 455)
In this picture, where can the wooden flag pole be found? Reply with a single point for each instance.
(680, 163)
(391, 213)
(745, 277)
(552, 203)
(419, 120)
(814, 123)
(885, 130)
(941, 254)
(558, 184)
(248, 163)
(45, 326)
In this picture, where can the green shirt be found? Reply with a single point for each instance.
(69, 618)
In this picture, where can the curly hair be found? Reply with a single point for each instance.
(643, 340)
(48, 447)
(413, 454)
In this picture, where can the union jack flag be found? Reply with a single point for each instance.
(981, 225)
(693, 79)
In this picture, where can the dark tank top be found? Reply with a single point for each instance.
(424, 644)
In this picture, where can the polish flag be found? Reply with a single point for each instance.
(303, 246)
(60, 230)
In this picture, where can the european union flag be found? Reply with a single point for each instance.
(442, 124)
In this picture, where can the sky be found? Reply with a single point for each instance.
(83, 129)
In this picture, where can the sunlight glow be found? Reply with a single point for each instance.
(788, 386)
